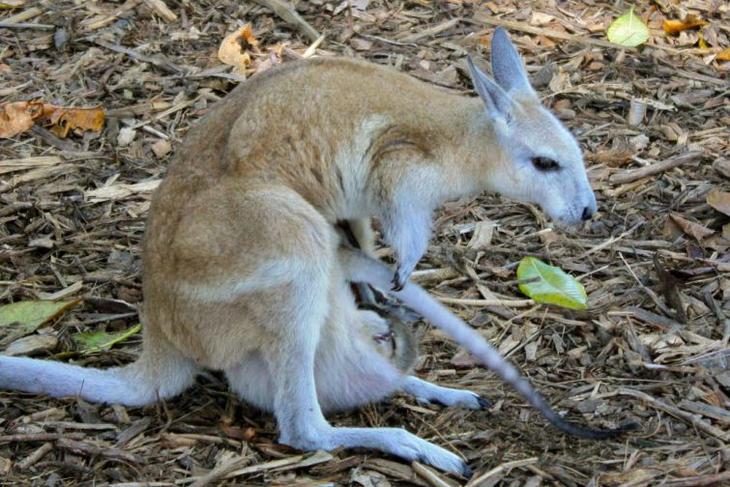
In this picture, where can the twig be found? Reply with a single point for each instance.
(659, 167)
(505, 467)
(34, 457)
(39, 437)
(161, 63)
(287, 13)
(692, 419)
(25, 25)
(481, 19)
(218, 473)
(515, 303)
(431, 31)
(428, 475)
(711, 479)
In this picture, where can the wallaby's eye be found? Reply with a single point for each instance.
(545, 164)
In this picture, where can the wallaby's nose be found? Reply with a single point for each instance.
(587, 213)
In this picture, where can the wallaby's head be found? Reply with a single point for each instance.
(540, 162)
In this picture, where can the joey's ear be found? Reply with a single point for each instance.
(497, 100)
(507, 66)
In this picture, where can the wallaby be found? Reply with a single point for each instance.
(244, 270)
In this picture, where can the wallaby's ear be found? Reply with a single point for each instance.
(507, 66)
(497, 100)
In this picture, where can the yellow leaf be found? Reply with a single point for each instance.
(701, 42)
(677, 26)
(628, 30)
(724, 55)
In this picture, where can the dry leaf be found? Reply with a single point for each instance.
(18, 117)
(64, 119)
(161, 148)
(690, 228)
(670, 288)
(31, 344)
(482, 237)
(723, 55)
(234, 48)
(676, 26)
(720, 201)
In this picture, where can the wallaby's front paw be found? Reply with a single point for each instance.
(398, 281)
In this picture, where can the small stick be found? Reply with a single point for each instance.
(429, 476)
(505, 467)
(287, 13)
(516, 303)
(34, 457)
(25, 25)
(659, 167)
(673, 410)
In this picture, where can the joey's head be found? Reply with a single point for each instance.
(537, 160)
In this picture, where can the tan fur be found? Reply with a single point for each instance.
(243, 266)
(254, 183)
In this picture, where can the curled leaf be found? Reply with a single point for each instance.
(17, 117)
(63, 120)
(550, 285)
(628, 30)
(234, 49)
(677, 26)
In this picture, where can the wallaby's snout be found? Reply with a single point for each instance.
(540, 160)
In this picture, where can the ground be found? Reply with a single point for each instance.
(652, 346)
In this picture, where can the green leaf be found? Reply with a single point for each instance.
(628, 30)
(27, 316)
(93, 341)
(550, 285)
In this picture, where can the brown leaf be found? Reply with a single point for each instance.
(670, 289)
(720, 201)
(17, 117)
(63, 119)
(234, 48)
(676, 26)
(243, 434)
(690, 228)
(723, 55)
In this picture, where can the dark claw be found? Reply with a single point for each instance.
(484, 403)
(397, 285)
(466, 471)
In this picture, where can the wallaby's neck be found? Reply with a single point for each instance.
(469, 152)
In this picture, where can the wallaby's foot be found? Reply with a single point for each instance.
(394, 441)
(431, 393)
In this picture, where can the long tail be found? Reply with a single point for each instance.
(157, 374)
(364, 269)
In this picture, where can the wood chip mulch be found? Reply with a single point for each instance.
(653, 346)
